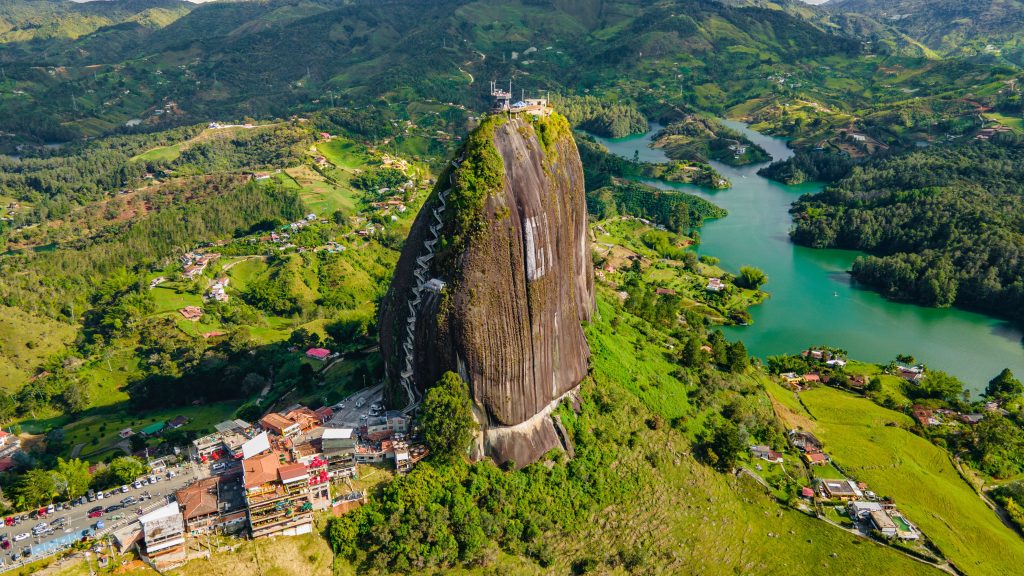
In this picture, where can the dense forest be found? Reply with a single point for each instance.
(700, 139)
(943, 225)
(601, 118)
(677, 211)
(808, 166)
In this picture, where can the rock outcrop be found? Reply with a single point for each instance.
(494, 283)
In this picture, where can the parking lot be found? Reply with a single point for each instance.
(349, 412)
(31, 539)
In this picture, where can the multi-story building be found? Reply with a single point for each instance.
(163, 537)
(339, 446)
(277, 495)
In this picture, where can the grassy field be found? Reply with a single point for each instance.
(25, 342)
(873, 445)
(1015, 123)
(319, 195)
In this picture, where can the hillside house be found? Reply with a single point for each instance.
(191, 313)
(318, 354)
(883, 523)
(841, 490)
(715, 285)
(766, 453)
(805, 441)
(815, 458)
(923, 416)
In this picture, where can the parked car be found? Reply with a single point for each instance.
(9, 521)
(153, 479)
(96, 514)
(6, 544)
(112, 508)
(137, 484)
(20, 537)
(99, 524)
(50, 509)
(124, 488)
(99, 495)
(91, 495)
(219, 466)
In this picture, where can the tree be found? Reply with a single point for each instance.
(751, 277)
(74, 476)
(1004, 386)
(36, 487)
(725, 446)
(125, 469)
(938, 384)
(77, 396)
(446, 417)
(736, 358)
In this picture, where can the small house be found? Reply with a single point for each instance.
(815, 458)
(192, 312)
(715, 285)
(318, 353)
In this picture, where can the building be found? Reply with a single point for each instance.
(766, 453)
(883, 523)
(860, 509)
(207, 505)
(152, 429)
(385, 426)
(815, 458)
(324, 414)
(279, 425)
(339, 446)
(924, 416)
(163, 537)
(318, 353)
(191, 312)
(277, 496)
(805, 441)
(841, 489)
(304, 417)
(715, 285)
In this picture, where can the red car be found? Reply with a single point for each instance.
(6, 544)
(9, 521)
(95, 513)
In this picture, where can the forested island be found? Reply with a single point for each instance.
(942, 225)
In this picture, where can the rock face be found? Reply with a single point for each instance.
(494, 282)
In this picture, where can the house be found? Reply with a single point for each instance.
(805, 441)
(883, 523)
(815, 458)
(715, 285)
(163, 537)
(858, 380)
(811, 377)
(766, 453)
(841, 489)
(318, 353)
(260, 176)
(972, 418)
(860, 509)
(126, 433)
(304, 417)
(806, 492)
(157, 281)
(791, 378)
(923, 416)
(191, 313)
(324, 414)
(279, 425)
(177, 422)
(664, 292)
(836, 363)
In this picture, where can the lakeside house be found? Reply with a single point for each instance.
(715, 285)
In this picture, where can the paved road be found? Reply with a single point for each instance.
(349, 416)
(78, 520)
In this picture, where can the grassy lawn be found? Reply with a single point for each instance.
(98, 431)
(344, 153)
(169, 300)
(859, 435)
(1015, 123)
